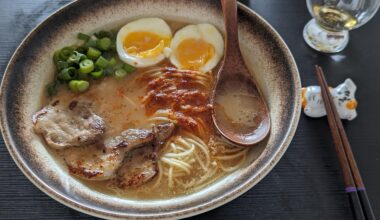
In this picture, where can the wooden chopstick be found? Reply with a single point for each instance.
(354, 184)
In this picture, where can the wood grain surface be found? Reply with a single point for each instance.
(305, 184)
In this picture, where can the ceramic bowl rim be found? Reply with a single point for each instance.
(234, 193)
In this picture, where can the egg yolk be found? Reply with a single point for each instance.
(194, 53)
(144, 44)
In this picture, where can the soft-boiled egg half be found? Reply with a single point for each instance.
(142, 42)
(197, 47)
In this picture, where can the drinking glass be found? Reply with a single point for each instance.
(332, 19)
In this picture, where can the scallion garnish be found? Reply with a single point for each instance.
(86, 66)
(83, 37)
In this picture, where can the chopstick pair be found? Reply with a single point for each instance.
(355, 188)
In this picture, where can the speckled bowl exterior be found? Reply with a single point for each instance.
(31, 67)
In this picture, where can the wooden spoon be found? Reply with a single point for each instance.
(240, 114)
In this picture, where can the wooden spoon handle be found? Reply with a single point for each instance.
(232, 51)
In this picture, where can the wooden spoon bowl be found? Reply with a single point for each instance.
(244, 121)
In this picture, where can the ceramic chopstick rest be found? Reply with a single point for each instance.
(343, 96)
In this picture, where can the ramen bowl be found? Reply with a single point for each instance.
(31, 68)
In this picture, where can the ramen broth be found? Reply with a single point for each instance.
(239, 107)
(195, 156)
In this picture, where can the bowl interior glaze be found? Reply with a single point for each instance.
(31, 67)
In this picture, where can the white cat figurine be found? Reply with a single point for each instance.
(343, 96)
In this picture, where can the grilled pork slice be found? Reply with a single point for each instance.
(93, 162)
(130, 139)
(67, 126)
(139, 167)
(133, 138)
(162, 132)
(100, 162)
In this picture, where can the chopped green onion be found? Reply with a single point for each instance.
(102, 34)
(104, 43)
(119, 65)
(90, 43)
(76, 57)
(108, 54)
(86, 66)
(101, 62)
(52, 88)
(83, 37)
(112, 35)
(95, 58)
(112, 62)
(56, 56)
(97, 74)
(128, 68)
(78, 85)
(84, 57)
(62, 65)
(65, 53)
(120, 73)
(93, 53)
(108, 71)
(67, 74)
(82, 49)
(73, 85)
(83, 76)
(83, 85)
(113, 47)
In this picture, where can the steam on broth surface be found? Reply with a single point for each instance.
(192, 157)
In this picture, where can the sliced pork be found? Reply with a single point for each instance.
(139, 167)
(100, 162)
(162, 132)
(130, 139)
(93, 162)
(66, 126)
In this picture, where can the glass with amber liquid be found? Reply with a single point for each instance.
(333, 19)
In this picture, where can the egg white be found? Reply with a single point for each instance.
(152, 25)
(208, 33)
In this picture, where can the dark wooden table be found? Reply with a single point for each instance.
(306, 183)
